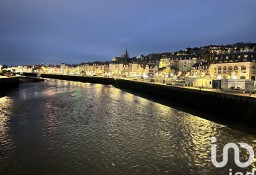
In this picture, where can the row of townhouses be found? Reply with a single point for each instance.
(227, 64)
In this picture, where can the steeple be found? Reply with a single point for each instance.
(126, 55)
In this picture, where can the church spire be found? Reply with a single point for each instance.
(126, 55)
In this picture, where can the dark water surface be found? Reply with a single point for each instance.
(62, 127)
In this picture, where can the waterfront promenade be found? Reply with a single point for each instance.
(3, 76)
(230, 92)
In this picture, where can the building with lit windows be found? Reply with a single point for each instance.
(200, 69)
(183, 63)
(240, 65)
(164, 62)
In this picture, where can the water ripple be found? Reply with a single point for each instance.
(62, 127)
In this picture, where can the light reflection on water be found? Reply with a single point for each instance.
(62, 127)
(6, 141)
(5, 113)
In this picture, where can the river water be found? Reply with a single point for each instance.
(63, 127)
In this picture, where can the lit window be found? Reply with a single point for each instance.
(243, 69)
(235, 68)
(224, 69)
(219, 69)
(230, 69)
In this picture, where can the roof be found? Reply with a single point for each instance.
(235, 57)
(183, 57)
(202, 63)
(196, 65)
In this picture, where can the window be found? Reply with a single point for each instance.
(219, 69)
(224, 69)
(236, 69)
(243, 69)
(215, 69)
(230, 69)
(253, 70)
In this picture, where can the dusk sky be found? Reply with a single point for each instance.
(74, 31)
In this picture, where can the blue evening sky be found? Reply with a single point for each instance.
(74, 31)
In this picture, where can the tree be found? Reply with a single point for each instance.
(4, 66)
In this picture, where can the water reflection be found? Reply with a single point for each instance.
(6, 140)
(81, 128)
(5, 112)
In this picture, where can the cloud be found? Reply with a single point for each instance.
(32, 31)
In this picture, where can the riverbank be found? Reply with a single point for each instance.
(7, 83)
(30, 80)
(99, 80)
(225, 107)
(231, 108)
